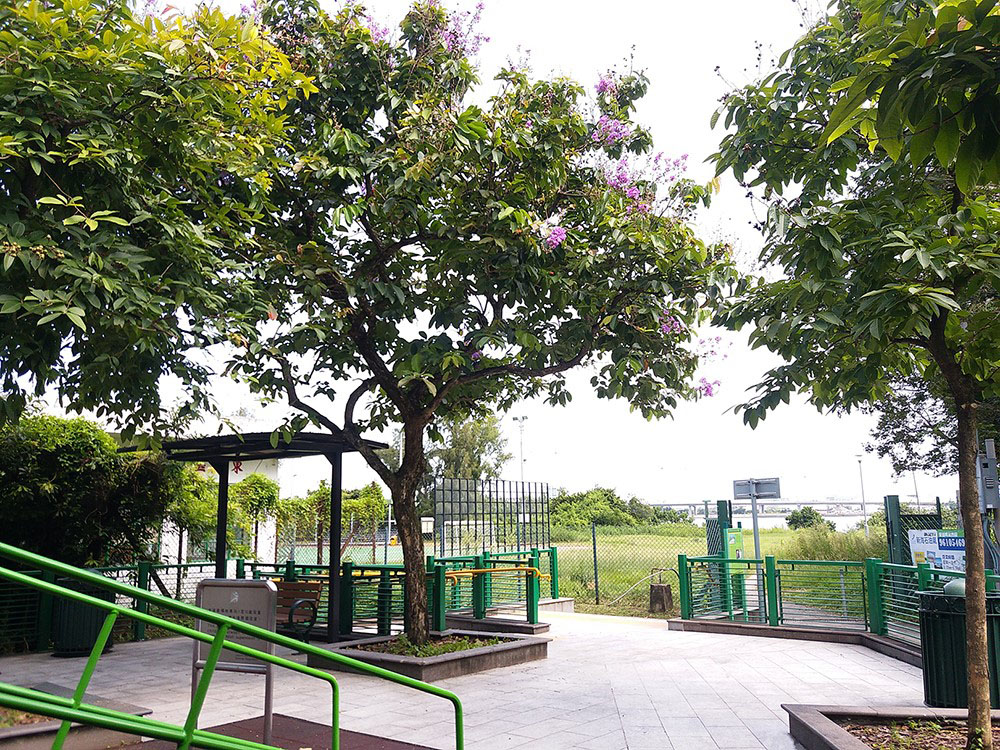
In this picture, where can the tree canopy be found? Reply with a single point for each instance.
(135, 157)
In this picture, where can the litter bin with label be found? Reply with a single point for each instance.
(942, 645)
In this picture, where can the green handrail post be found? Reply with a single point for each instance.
(488, 584)
(771, 578)
(45, 614)
(873, 577)
(684, 586)
(923, 576)
(88, 673)
(554, 572)
(479, 591)
(347, 598)
(201, 690)
(142, 581)
(439, 617)
(533, 594)
(289, 570)
(241, 571)
(383, 603)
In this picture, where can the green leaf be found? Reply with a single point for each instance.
(51, 200)
(947, 141)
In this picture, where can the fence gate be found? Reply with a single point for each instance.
(899, 524)
(472, 516)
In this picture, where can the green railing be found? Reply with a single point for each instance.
(874, 596)
(73, 709)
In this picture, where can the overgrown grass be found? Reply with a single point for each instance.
(820, 544)
(402, 646)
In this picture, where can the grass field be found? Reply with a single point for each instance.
(629, 559)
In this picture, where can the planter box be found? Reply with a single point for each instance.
(815, 729)
(496, 625)
(39, 736)
(515, 649)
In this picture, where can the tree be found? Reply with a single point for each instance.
(471, 447)
(257, 496)
(917, 427)
(442, 258)
(68, 493)
(808, 517)
(881, 116)
(193, 501)
(134, 159)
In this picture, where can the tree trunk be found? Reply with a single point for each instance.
(411, 538)
(980, 734)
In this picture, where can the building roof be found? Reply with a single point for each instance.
(257, 445)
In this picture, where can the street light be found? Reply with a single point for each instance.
(864, 511)
(520, 423)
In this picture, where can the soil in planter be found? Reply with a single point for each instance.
(913, 735)
(447, 644)
(11, 718)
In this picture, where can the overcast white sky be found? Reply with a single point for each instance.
(592, 442)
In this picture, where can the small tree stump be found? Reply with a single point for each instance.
(661, 598)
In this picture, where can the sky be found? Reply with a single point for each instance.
(693, 52)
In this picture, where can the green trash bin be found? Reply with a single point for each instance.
(76, 625)
(942, 645)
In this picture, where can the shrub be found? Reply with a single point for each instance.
(803, 518)
(819, 543)
(67, 493)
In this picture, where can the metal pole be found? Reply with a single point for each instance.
(520, 422)
(864, 510)
(761, 606)
(222, 520)
(597, 588)
(334, 578)
(916, 492)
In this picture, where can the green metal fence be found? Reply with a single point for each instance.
(873, 596)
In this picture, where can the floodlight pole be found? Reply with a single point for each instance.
(864, 511)
(520, 423)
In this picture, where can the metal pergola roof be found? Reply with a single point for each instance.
(257, 445)
(221, 450)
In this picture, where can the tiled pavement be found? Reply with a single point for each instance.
(609, 684)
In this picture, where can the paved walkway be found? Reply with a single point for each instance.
(609, 683)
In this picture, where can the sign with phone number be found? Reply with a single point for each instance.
(942, 548)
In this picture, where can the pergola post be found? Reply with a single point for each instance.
(222, 520)
(336, 501)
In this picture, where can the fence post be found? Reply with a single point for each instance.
(532, 581)
(876, 620)
(383, 603)
(241, 571)
(923, 576)
(554, 572)
(141, 605)
(771, 577)
(346, 598)
(684, 586)
(289, 570)
(45, 614)
(488, 583)
(439, 617)
(479, 591)
(597, 587)
(991, 583)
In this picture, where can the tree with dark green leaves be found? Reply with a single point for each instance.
(135, 158)
(808, 517)
(874, 146)
(68, 494)
(435, 257)
(470, 447)
(917, 428)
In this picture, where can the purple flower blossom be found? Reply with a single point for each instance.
(528, 124)
(671, 324)
(476, 355)
(707, 387)
(556, 237)
(379, 33)
(607, 84)
(609, 131)
(633, 193)
(460, 36)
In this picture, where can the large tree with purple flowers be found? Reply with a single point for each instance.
(432, 258)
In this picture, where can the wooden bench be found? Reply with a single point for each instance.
(298, 607)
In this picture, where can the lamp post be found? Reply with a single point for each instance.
(864, 510)
(520, 423)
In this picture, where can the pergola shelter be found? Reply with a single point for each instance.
(221, 450)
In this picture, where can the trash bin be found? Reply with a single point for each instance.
(76, 625)
(942, 645)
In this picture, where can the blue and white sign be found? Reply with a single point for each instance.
(942, 548)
